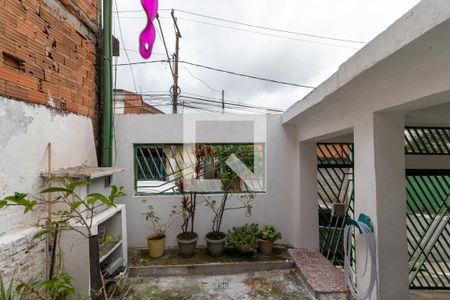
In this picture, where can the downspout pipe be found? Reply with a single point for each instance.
(107, 135)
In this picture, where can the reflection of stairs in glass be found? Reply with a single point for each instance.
(418, 262)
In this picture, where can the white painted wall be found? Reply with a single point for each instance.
(276, 206)
(401, 76)
(25, 131)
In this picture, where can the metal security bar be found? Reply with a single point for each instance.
(335, 185)
(427, 140)
(159, 168)
(428, 228)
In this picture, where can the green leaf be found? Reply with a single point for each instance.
(3, 203)
(38, 283)
(74, 205)
(94, 197)
(41, 233)
(55, 190)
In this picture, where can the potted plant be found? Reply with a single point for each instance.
(157, 240)
(187, 239)
(244, 239)
(268, 235)
(215, 239)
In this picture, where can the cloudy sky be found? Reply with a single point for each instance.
(258, 52)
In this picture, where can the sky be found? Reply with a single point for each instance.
(291, 58)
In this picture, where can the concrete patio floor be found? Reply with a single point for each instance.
(284, 284)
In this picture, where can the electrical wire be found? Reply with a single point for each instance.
(136, 51)
(126, 52)
(224, 71)
(268, 34)
(234, 104)
(258, 26)
(271, 29)
(207, 99)
(165, 46)
(247, 76)
(202, 81)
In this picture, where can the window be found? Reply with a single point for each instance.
(214, 168)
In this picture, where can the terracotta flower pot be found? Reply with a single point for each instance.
(156, 245)
(265, 247)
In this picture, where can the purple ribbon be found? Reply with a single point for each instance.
(147, 36)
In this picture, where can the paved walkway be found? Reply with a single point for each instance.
(268, 285)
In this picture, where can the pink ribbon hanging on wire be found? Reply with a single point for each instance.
(147, 36)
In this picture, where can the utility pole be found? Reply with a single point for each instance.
(175, 90)
(223, 101)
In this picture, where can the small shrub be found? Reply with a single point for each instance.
(244, 239)
(270, 233)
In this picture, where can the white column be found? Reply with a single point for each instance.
(380, 194)
(308, 214)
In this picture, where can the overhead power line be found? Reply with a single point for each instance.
(224, 71)
(248, 76)
(234, 104)
(207, 100)
(143, 62)
(126, 52)
(269, 34)
(165, 45)
(271, 29)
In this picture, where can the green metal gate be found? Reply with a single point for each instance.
(428, 211)
(428, 205)
(335, 186)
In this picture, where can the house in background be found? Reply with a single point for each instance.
(126, 102)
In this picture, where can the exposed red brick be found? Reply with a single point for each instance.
(31, 5)
(7, 18)
(84, 110)
(16, 8)
(17, 77)
(53, 57)
(16, 91)
(2, 87)
(37, 97)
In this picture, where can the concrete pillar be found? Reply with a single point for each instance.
(380, 193)
(308, 214)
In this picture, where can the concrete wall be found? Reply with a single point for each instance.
(276, 206)
(26, 130)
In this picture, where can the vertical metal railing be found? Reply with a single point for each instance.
(335, 185)
(428, 211)
(428, 228)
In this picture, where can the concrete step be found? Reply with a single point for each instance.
(323, 279)
(208, 269)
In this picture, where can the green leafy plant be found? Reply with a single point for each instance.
(107, 239)
(244, 239)
(187, 208)
(160, 228)
(58, 288)
(7, 292)
(219, 210)
(270, 233)
(73, 211)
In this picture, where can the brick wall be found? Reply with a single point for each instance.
(131, 103)
(46, 57)
(22, 258)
